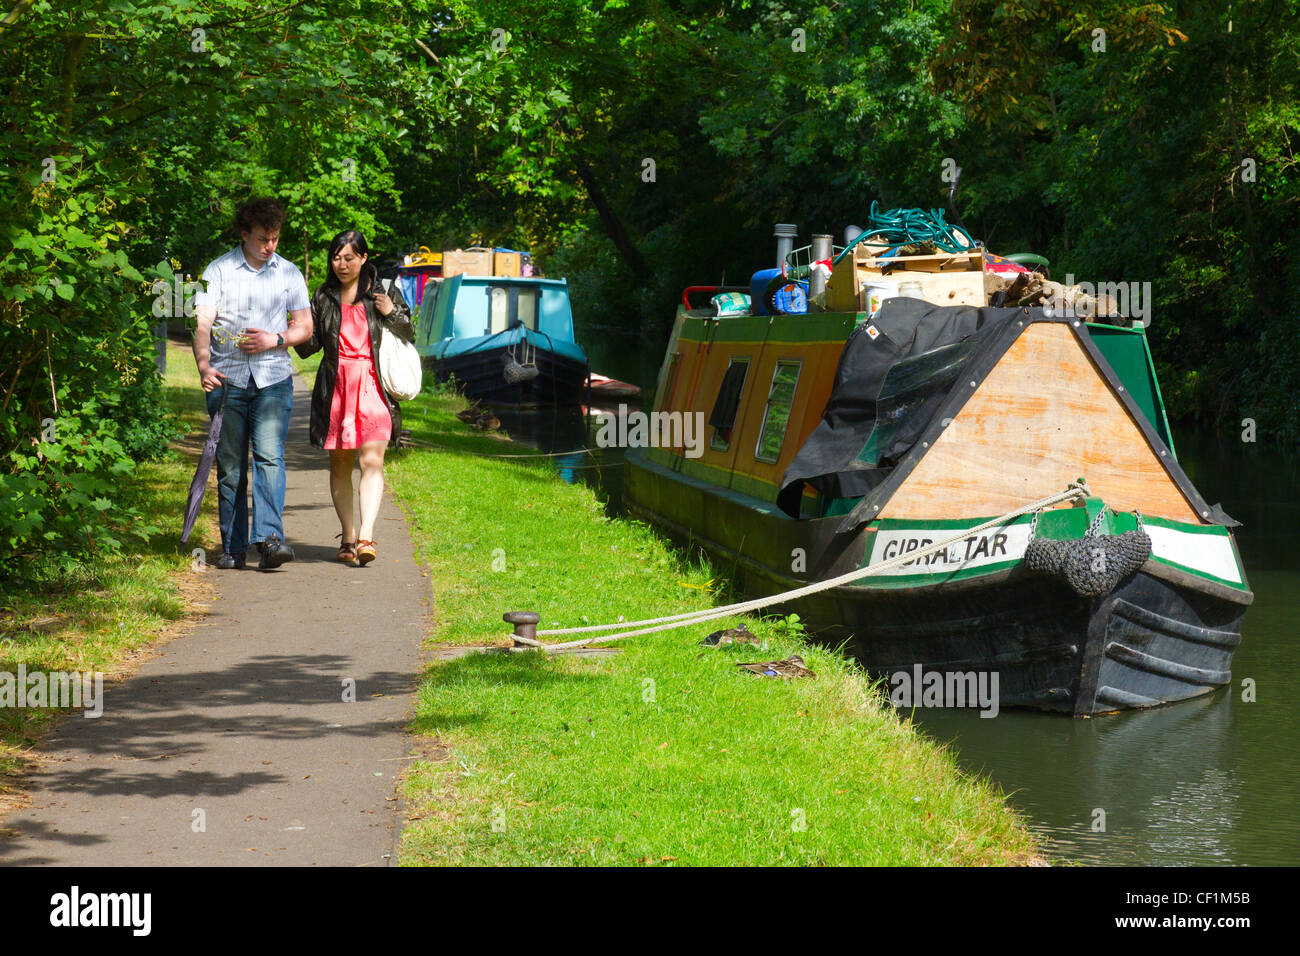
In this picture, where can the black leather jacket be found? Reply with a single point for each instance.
(326, 316)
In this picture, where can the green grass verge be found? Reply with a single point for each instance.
(665, 752)
(92, 616)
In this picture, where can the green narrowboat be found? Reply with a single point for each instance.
(840, 439)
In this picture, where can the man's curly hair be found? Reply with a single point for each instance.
(267, 213)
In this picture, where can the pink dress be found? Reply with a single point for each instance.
(358, 413)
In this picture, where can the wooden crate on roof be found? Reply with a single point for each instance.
(471, 262)
(507, 263)
(946, 278)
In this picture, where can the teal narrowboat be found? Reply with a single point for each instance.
(506, 340)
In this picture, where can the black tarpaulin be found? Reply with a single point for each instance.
(894, 388)
(896, 370)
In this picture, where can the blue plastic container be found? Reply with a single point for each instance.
(791, 299)
(757, 283)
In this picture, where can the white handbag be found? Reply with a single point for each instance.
(400, 371)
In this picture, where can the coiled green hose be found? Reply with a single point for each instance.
(903, 227)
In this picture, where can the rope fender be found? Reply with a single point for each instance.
(1091, 565)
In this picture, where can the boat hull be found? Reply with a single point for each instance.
(561, 380)
(1159, 636)
(1150, 642)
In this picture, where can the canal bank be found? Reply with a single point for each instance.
(664, 751)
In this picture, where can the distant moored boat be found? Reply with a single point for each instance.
(507, 340)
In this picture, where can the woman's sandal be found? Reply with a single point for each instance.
(365, 552)
(348, 552)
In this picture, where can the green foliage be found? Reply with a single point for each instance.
(61, 496)
(789, 627)
(134, 128)
(132, 131)
(80, 399)
(1117, 156)
(1167, 157)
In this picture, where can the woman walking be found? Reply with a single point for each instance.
(351, 417)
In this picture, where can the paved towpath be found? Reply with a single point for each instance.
(243, 718)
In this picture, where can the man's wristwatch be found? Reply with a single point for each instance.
(279, 340)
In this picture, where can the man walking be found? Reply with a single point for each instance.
(255, 305)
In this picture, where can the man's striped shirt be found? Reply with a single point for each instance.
(248, 298)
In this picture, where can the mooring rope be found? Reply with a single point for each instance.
(1077, 489)
(474, 454)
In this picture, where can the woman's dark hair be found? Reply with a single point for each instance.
(366, 281)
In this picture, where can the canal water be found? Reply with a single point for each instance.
(1212, 781)
(1206, 782)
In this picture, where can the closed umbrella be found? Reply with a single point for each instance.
(200, 482)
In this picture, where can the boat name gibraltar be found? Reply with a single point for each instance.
(1001, 544)
(638, 429)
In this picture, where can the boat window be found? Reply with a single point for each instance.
(780, 397)
(509, 306)
(723, 416)
(527, 308)
(498, 310)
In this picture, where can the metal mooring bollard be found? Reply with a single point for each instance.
(525, 623)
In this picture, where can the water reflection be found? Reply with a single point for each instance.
(569, 466)
(1072, 778)
(546, 429)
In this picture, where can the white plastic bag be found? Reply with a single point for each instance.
(400, 371)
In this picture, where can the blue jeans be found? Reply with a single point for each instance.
(259, 416)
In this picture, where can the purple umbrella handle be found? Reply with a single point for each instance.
(200, 483)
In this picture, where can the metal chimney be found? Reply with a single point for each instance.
(821, 250)
(785, 233)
